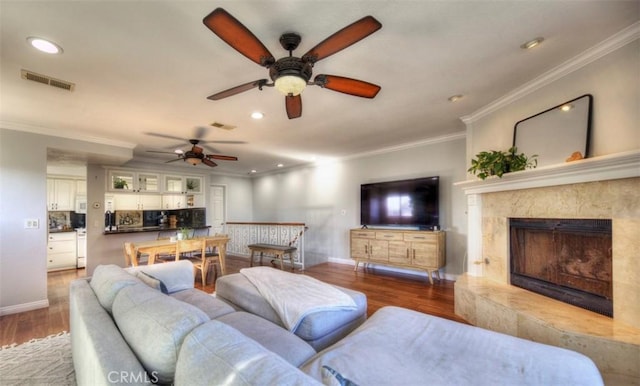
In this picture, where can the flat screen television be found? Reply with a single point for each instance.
(407, 203)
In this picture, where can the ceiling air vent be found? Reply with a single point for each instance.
(223, 126)
(63, 84)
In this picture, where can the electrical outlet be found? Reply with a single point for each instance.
(31, 223)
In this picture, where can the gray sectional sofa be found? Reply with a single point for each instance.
(149, 325)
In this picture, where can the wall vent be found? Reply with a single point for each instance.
(63, 84)
(223, 126)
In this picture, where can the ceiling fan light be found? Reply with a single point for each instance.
(290, 85)
(193, 161)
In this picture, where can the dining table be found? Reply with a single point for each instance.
(154, 248)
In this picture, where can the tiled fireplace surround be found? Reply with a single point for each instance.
(601, 188)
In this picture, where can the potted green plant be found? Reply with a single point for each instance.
(183, 233)
(119, 183)
(498, 162)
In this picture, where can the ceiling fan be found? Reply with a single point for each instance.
(196, 154)
(290, 75)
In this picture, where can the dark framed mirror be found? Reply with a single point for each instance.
(556, 133)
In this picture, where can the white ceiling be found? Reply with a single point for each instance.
(148, 66)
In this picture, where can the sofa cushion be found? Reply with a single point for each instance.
(271, 336)
(107, 281)
(208, 303)
(238, 290)
(217, 354)
(397, 346)
(154, 325)
(176, 275)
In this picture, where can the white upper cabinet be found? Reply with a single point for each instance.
(129, 181)
(137, 202)
(61, 194)
(182, 185)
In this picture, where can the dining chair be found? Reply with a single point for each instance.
(194, 250)
(131, 258)
(165, 257)
(213, 255)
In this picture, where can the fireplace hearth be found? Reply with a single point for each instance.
(565, 259)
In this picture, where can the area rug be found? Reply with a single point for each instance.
(45, 361)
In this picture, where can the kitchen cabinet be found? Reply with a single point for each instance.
(134, 182)
(174, 201)
(137, 202)
(81, 187)
(424, 250)
(182, 184)
(61, 251)
(61, 194)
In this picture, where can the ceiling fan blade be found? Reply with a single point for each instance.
(235, 34)
(200, 132)
(208, 162)
(226, 142)
(237, 89)
(196, 149)
(165, 136)
(222, 157)
(174, 160)
(347, 85)
(294, 106)
(163, 152)
(342, 39)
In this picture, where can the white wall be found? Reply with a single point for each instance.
(317, 196)
(23, 195)
(238, 192)
(614, 82)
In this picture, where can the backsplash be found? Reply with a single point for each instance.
(66, 220)
(147, 218)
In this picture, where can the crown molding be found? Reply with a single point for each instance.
(410, 145)
(64, 134)
(596, 52)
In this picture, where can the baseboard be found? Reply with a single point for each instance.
(389, 268)
(24, 307)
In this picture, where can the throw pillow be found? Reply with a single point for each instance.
(152, 282)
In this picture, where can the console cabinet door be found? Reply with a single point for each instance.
(359, 248)
(425, 254)
(399, 252)
(379, 250)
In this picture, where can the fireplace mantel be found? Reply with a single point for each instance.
(608, 167)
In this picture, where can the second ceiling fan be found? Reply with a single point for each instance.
(290, 74)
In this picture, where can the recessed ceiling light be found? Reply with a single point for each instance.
(44, 45)
(532, 43)
(254, 171)
(455, 98)
(178, 151)
(566, 107)
(280, 165)
(257, 115)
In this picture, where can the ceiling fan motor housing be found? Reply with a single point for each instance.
(291, 66)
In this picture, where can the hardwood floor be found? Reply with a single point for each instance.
(382, 288)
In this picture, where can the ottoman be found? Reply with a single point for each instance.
(320, 329)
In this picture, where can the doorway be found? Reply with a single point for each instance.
(217, 196)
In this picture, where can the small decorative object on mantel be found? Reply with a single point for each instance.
(498, 162)
(576, 155)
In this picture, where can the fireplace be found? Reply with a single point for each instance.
(566, 259)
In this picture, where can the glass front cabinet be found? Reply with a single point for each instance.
(182, 185)
(128, 181)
